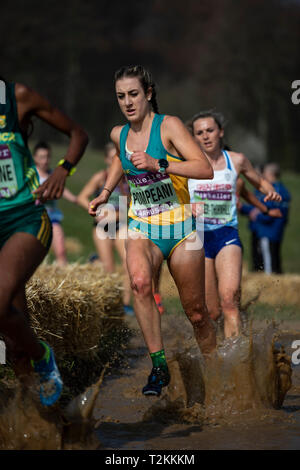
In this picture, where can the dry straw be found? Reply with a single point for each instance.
(268, 289)
(73, 307)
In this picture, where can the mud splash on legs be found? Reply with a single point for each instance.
(246, 374)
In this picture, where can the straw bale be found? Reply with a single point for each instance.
(73, 245)
(275, 290)
(74, 307)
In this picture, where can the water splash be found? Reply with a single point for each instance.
(249, 373)
(26, 425)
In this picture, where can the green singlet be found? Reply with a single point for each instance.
(18, 175)
(18, 179)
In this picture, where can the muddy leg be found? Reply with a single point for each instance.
(187, 269)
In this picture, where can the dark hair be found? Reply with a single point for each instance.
(41, 145)
(274, 168)
(218, 117)
(145, 78)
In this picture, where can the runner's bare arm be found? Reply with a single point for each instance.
(69, 196)
(30, 103)
(177, 140)
(256, 180)
(90, 188)
(252, 199)
(114, 175)
(115, 172)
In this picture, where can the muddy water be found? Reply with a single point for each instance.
(26, 425)
(227, 403)
(235, 411)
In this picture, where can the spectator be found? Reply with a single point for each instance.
(267, 230)
(42, 159)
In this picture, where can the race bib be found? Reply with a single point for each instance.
(151, 194)
(217, 206)
(8, 179)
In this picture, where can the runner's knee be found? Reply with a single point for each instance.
(214, 313)
(141, 285)
(197, 314)
(229, 300)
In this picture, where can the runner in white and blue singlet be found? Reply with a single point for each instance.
(220, 208)
(223, 249)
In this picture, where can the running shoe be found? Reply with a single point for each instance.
(94, 257)
(158, 301)
(51, 384)
(158, 379)
(128, 310)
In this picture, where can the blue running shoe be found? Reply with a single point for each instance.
(158, 379)
(51, 384)
(128, 310)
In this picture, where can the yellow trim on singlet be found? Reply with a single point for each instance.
(32, 179)
(180, 241)
(41, 231)
(45, 230)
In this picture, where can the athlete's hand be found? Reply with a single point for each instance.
(53, 187)
(273, 196)
(275, 213)
(98, 201)
(143, 161)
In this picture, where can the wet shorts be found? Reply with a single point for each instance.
(215, 240)
(29, 219)
(166, 237)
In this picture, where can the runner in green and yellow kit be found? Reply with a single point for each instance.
(158, 154)
(25, 229)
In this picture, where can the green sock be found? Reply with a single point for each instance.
(159, 359)
(46, 355)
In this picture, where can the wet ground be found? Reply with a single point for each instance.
(227, 404)
(128, 420)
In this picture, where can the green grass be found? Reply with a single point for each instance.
(77, 223)
(267, 312)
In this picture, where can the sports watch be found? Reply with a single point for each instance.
(67, 166)
(163, 165)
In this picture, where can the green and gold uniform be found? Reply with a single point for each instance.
(160, 203)
(19, 211)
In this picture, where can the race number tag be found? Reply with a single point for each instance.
(152, 194)
(8, 179)
(217, 206)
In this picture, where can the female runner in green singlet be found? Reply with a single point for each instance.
(158, 154)
(25, 229)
